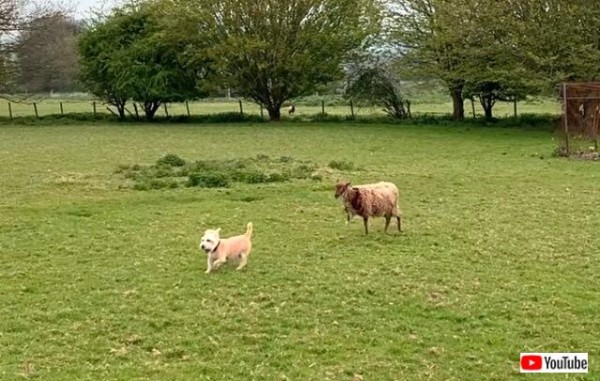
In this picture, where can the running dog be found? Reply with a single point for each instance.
(220, 250)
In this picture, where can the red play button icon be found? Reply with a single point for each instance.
(531, 362)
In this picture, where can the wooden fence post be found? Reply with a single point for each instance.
(61, 109)
(94, 108)
(515, 106)
(566, 117)
(241, 108)
(35, 110)
(166, 110)
(187, 108)
(261, 112)
(323, 107)
(10, 115)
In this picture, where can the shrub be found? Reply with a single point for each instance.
(252, 177)
(341, 165)
(278, 177)
(171, 160)
(170, 171)
(286, 159)
(160, 171)
(208, 180)
(303, 171)
(122, 168)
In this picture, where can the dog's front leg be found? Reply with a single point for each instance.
(209, 263)
(219, 262)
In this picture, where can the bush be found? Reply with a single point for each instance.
(341, 165)
(171, 160)
(160, 171)
(286, 159)
(170, 171)
(278, 177)
(208, 180)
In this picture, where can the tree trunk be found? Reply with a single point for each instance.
(458, 112)
(487, 103)
(150, 109)
(120, 109)
(274, 113)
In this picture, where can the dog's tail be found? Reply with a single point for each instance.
(248, 230)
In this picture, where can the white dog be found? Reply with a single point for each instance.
(219, 250)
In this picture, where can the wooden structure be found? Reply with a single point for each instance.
(580, 114)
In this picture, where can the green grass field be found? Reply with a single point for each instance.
(101, 282)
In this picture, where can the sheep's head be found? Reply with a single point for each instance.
(341, 187)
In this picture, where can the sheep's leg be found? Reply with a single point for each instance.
(366, 222)
(388, 217)
(396, 213)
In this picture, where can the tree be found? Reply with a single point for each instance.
(376, 84)
(15, 16)
(47, 54)
(476, 47)
(100, 66)
(272, 51)
(430, 37)
(561, 39)
(493, 66)
(127, 56)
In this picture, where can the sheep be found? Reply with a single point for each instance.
(348, 210)
(370, 200)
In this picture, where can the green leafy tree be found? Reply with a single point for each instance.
(561, 40)
(477, 48)
(101, 65)
(139, 60)
(272, 51)
(430, 36)
(494, 68)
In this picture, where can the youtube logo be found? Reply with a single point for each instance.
(554, 363)
(531, 362)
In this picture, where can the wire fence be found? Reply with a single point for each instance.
(332, 106)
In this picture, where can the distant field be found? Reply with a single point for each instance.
(422, 105)
(102, 282)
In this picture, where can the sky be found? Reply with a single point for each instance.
(82, 8)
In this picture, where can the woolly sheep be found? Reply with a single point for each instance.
(349, 211)
(370, 200)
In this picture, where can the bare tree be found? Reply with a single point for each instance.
(46, 54)
(15, 17)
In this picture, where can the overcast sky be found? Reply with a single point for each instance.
(82, 8)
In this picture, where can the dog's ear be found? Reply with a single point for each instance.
(348, 184)
(218, 230)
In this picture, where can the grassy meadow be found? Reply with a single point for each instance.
(99, 281)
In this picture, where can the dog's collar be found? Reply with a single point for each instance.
(216, 247)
